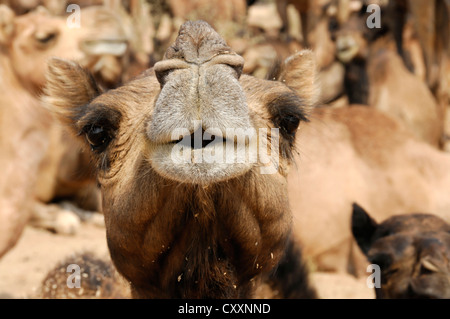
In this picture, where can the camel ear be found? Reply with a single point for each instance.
(68, 91)
(6, 24)
(299, 73)
(363, 228)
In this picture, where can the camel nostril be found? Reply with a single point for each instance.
(165, 67)
(236, 62)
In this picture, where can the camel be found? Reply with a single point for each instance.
(378, 72)
(348, 154)
(343, 155)
(359, 154)
(412, 251)
(41, 162)
(30, 39)
(179, 224)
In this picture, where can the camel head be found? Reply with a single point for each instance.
(191, 158)
(347, 25)
(98, 43)
(412, 251)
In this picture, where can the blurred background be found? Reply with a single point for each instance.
(394, 56)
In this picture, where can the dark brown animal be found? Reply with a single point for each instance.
(184, 227)
(412, 251)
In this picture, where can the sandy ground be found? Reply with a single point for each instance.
(26, 265)
(38, 251)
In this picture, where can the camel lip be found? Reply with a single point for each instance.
(202, 148)
(346, 51)
(199, 136)
(193, 167)
(199, 139)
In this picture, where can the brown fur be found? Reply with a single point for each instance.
(214, 12)
(412, 251)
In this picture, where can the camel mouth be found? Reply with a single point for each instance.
(202, 153)
(347, 49)
(205, 156)
(196, 166)
(347, 54)
(200, 139)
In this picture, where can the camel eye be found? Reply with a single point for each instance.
(290, 124)
(97, 137)
(45, 38)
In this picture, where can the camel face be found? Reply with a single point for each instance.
(199, 121)
(36, 36)
(413, 252)
(218, 224)
(201, 110)
(31, 39)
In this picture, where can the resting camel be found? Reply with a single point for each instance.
(412, 251)
(40, 162)
(178, 223)
(359, 154)
(377, 75)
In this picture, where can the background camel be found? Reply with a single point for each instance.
(359, 154)
(412, 251)
(377, 74)
(400, 68)
(43, 163)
